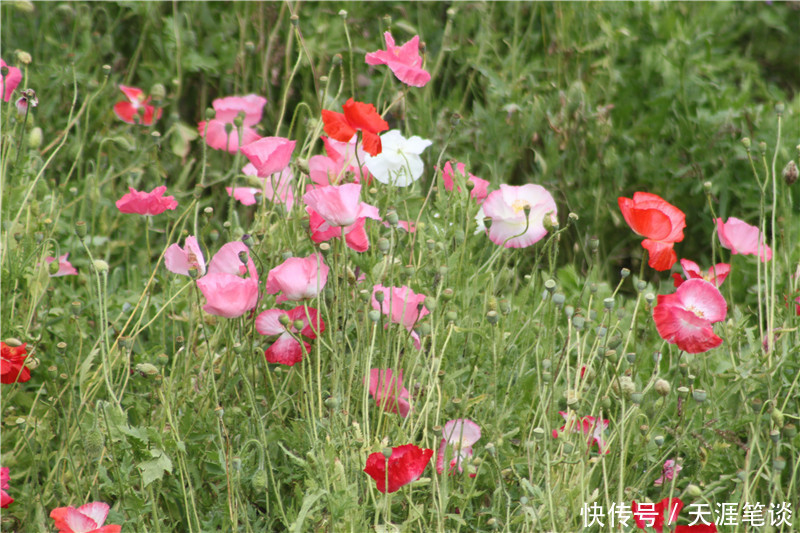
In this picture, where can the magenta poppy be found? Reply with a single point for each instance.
(405, 465)
(146, 203)
(65, 268)
(388, 390)
(685, 318)
(458, 436)
(481, 186)
(228, 294)
(179, 260)
(589, 426)
(5, 499)
(9, 80)
(691, 270)
(286, 350)
(298, 278)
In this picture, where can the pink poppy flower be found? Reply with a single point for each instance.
(146, 203)
(388, 391)
(286, 350)
(276, 188)
(403, 306)
(244, 195)
(180, 260)
(298, 278)
(65, 268)
(589, 426)
(340, 164)
(269, 155)
(668, 472)
(685, 317)
(9, 79)
(87, 518)
(136, 110)
(479, 192)
(506, 208)
(227, 293)
(227, 110)
(715, 274)
(405, 465)
(741, 238)
(340, 205)
(458, 435)
(5, 499)
(355, 235)
(404, 61)
(660, 222)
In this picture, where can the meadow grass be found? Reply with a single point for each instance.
(172, 416)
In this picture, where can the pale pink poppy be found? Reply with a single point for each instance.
(340, 163)
(244, 195)
(506, 208)
(458, 436)
(286, 350)
(146, 203)
(481, 187)
(87, 518)
(9, 80)
(402, 306)
(65, 268)
(136, 109)
(588, 425)
(685, 318)
(340, 205)
(227, 293)
(298, 278)
(404, 61)
(5, 499)
(269, 155)
(741, 238)
(227, 109)
(692, 270)
(387, 389)
(668, 472)
(180, 260)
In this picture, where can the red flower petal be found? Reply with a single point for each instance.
(405, 465)
(337, 126)
(364, 117)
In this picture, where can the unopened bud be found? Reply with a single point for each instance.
(295, 20)
(147, 369)
(374, 314)
(35, 138)
(210, 114)
(430, 303)
(284, 320)
(492, 317)
(298, 324)
(383, 245)
(694, 491)
(746, 143)
(624, 273)
(777, 417)
(80, 229)
(100, 266)
(659, 440)
(158, 92)
(790, 173)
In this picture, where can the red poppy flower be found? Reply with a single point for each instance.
(87, 518)
(130, 111)
(405, 465)
(357, 116)
(697, 528)
(660, 222)
(12, 364)
(651, 515)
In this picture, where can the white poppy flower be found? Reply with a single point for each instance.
(399, 162)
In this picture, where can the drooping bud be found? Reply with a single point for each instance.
(790, 173)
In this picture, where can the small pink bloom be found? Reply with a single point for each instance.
(340, 205)
(87, 518)
(269, 155)
(741, 238)
(146, 203)
(355, 236)
(388, 391)
(245, 195)
(180, 260)
(65, 268)
(588, 425)
(136, 110)
(286, 350)
(404, 61)
(298, 278)
(402, 306)
(479, 192)
(506, 208)
(228, 109)
(691, 270)
(276, 187)
(5, 499)
(459, 436)
(9, 80)
(227, 293)
(668, 472)
(685, 317)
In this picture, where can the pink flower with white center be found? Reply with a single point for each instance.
(179, 260)
(741, 238)
(298, 278)
(87, 518)
(404, 61)
(458, 437)
(589, 426)
(136, 110)
(685, 317)
(5, 499)
(481, 186)
(403, 306)
(146, 203)
(691, 270)
(65, 268)
(276, 188)
(227, 109)
(388, 390)
(507, 209)
(286, 350)
(668, 472)
(9, 79)
(227, 293)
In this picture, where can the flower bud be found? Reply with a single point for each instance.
(790, 431)
(298, 324)
(779, 463)
(374, 315)
(774, 435)
(284, 320)
(100, 266)
(637, 397)
(683, 392)
(451, 316)
(80, 229)
(52, 267)
(447, 295)
(93, 442)
(659, 440)
(147, 369)
(550, 285)
(383, 245)
(693, 491)
(35, 138)
(492, 317)
(430, 303)
(790, 173)
(559, 299)
(641, 285)
(649, 298)
(746, 143)
(777, 417)
(624, 273)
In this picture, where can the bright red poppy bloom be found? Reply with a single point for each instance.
(357, 116)
(660, 222)
(12, 364)
(405, 465)
(129, 111)
(146, 203)
(87, 518)
(651, 515)
(685, 317)
(286, 350)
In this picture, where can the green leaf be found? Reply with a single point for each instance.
(154, 468)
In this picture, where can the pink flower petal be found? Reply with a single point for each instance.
(269, 154)
(741, 238)
(228, 295)
(298, 278)
(10, 81)
(506, 208)
(179, 260)
(404, 61)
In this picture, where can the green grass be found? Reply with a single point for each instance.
(592, 101)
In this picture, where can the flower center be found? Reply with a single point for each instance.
(698, 313)
(520, 205)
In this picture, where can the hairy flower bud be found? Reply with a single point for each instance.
(790, 173)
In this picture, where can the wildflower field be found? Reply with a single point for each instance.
(399, 267)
